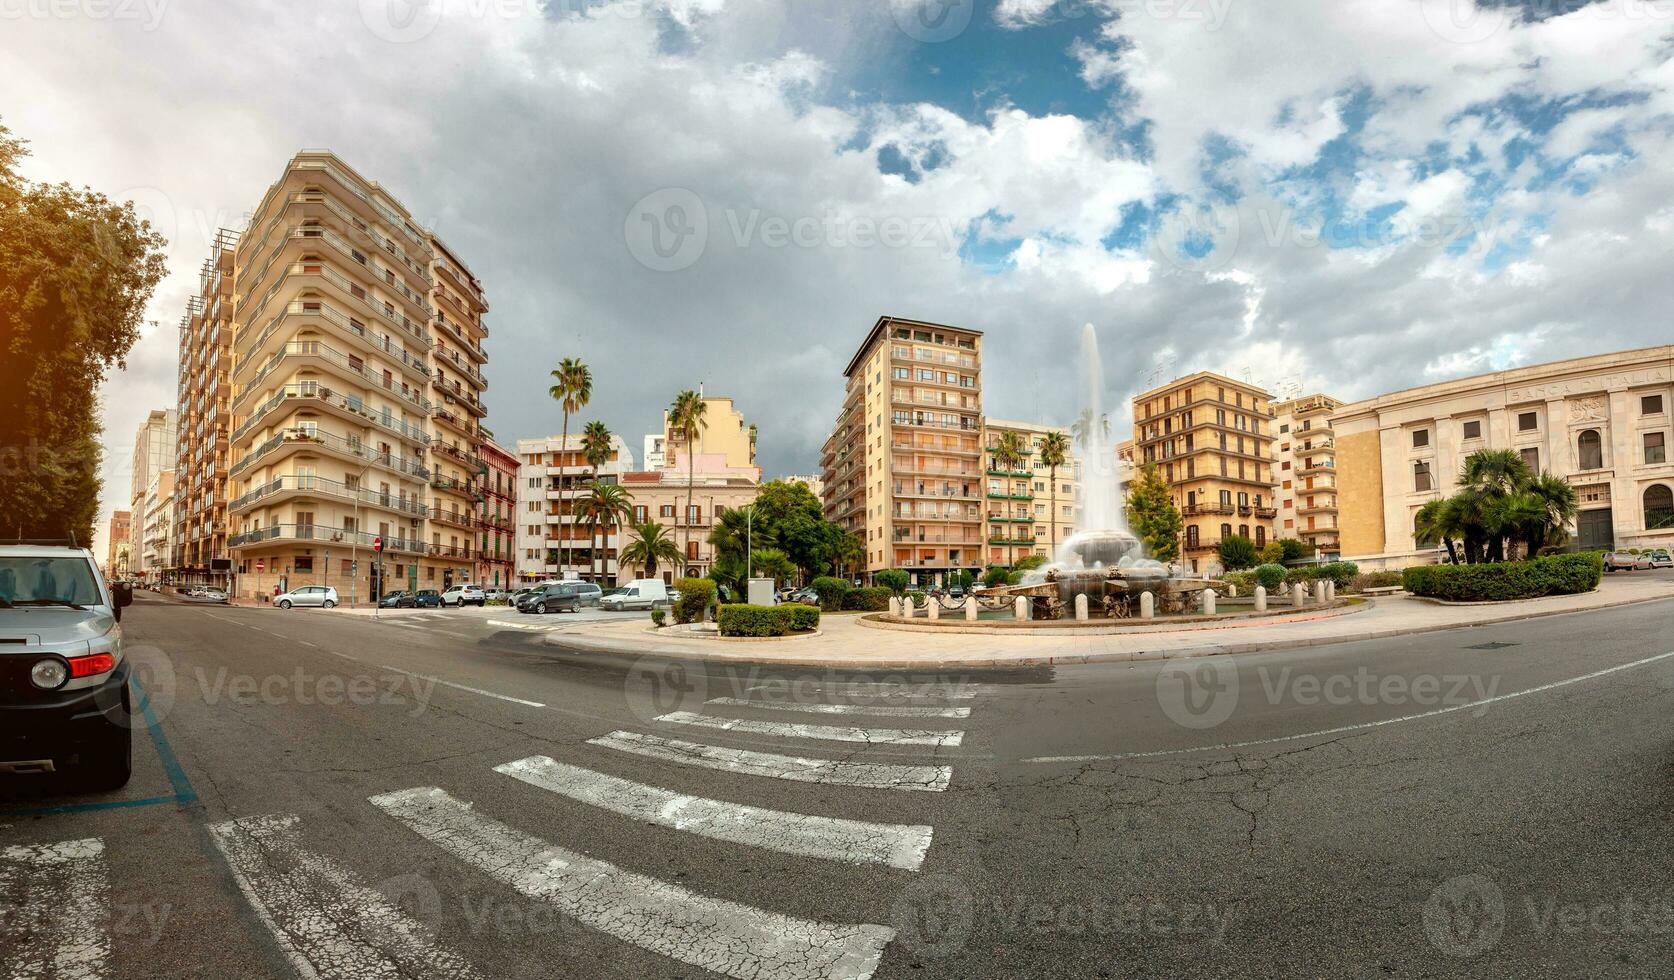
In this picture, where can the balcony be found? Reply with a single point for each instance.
(285, 487)
(309, 439)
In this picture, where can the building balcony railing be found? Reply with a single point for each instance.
(314, 486)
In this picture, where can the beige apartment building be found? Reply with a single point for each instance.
(553, 542)
(357, 392)
(903, 467)
(1305, 466)
(204, 412)
(1602, 422)
(1025, 516)
(1211, 438)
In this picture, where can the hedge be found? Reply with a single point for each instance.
(746, 620)
(696, 595)
(1505, 580)
(831, 592)
(874, 598)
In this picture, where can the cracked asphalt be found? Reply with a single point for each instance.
(1494, 801)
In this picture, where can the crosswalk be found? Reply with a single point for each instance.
(331, 925)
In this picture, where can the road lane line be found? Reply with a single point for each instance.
(828, 733)
(877, 710)
(460, 687)
(326, 922)
(726, 937)
(1363, 726)
(830, 838)
(58, 926)
(832, 772)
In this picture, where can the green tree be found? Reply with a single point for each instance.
(572, 389)
(652, 546)
(1153, 516)
(1237, 553)
(76, 273)
(1010, 452)
(686, 420)
(1054, 452)
(606, 504)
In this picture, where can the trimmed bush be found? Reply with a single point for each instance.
(1506, 580)
(1269, 577)
(741, 619)
(832, 592)
(658, 617)
(893, 579)
(805, 618)
(873, 598)
(696, 595)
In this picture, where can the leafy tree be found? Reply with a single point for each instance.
(572, 389)
(652, 546)
(893, 579)
(1237, 552)
(686, 420)
(76, 273)
(1054, 452)
(1153, 516)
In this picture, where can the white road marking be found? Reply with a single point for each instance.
(828, 733)
(1362, 726)
(835, 772)
(57, 910)
(328, 924)
(876, 710)
(887, 690)
(461, 687)
(714, 934)
(833, 839)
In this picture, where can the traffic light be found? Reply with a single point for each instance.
(378, 544)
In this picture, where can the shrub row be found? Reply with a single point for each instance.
(740, 619)
(1505, 580)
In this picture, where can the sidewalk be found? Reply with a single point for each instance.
(845, 641)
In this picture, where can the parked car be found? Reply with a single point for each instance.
(557, 597)
(1662, 559)
(1625, 561)
(324, 596)
(64, 701)
(464, 595)
(641, 593)
(400, 599)
(427, 599)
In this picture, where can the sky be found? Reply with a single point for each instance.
(1352, 196)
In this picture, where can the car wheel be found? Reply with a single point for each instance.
(331, 604)
(284, 603)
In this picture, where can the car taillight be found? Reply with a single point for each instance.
(98, 663)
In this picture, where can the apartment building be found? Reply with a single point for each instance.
(1601, 422)
(1305, 466)
(1028, 513)
(357, 392)
(118, 544)
(204, 413)
(903, 466)
(1211, 438)
(497, 520)
(155, 450)
(552, 540)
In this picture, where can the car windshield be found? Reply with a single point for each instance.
(48, 581)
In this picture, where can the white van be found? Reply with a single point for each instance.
(641, 593)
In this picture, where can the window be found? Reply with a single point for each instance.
(1421, 477)
(1655, 451)
(1527, 422)
(1420, 438)
(1531, 456)
(1589, 450)
(1473, 429)
(1650, 405)
(1659, 507)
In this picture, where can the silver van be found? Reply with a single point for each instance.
(64, 702)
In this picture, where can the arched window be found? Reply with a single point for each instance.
(1659, 507)
(1590, 450)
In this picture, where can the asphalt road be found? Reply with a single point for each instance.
(321, 794)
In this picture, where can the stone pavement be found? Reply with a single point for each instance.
(846, 641)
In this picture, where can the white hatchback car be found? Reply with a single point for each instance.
(465, 595)
(324, 596)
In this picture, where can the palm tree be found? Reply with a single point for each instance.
(652, 546)
(1010, 452)
(685, 420)
(572, 389)
(1054, 452)
(604, 505)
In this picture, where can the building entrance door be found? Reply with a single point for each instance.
(1595, 529)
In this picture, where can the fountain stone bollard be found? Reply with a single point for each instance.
(1022, 609)
(1296, 594)
(1081, 608)
(1147, 606)
(1319, 592)
(970, 608)
(1260, 598)
(933, 609)
(1208, 602)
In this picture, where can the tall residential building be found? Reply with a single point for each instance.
(552, 476)
(155, 450)
(1602, 422)
(1211, 438)
(1021, 518)
(903, 464)
(497, 545)
(1305, 461)
(205, 421)
(357, 372)
(118, 544)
